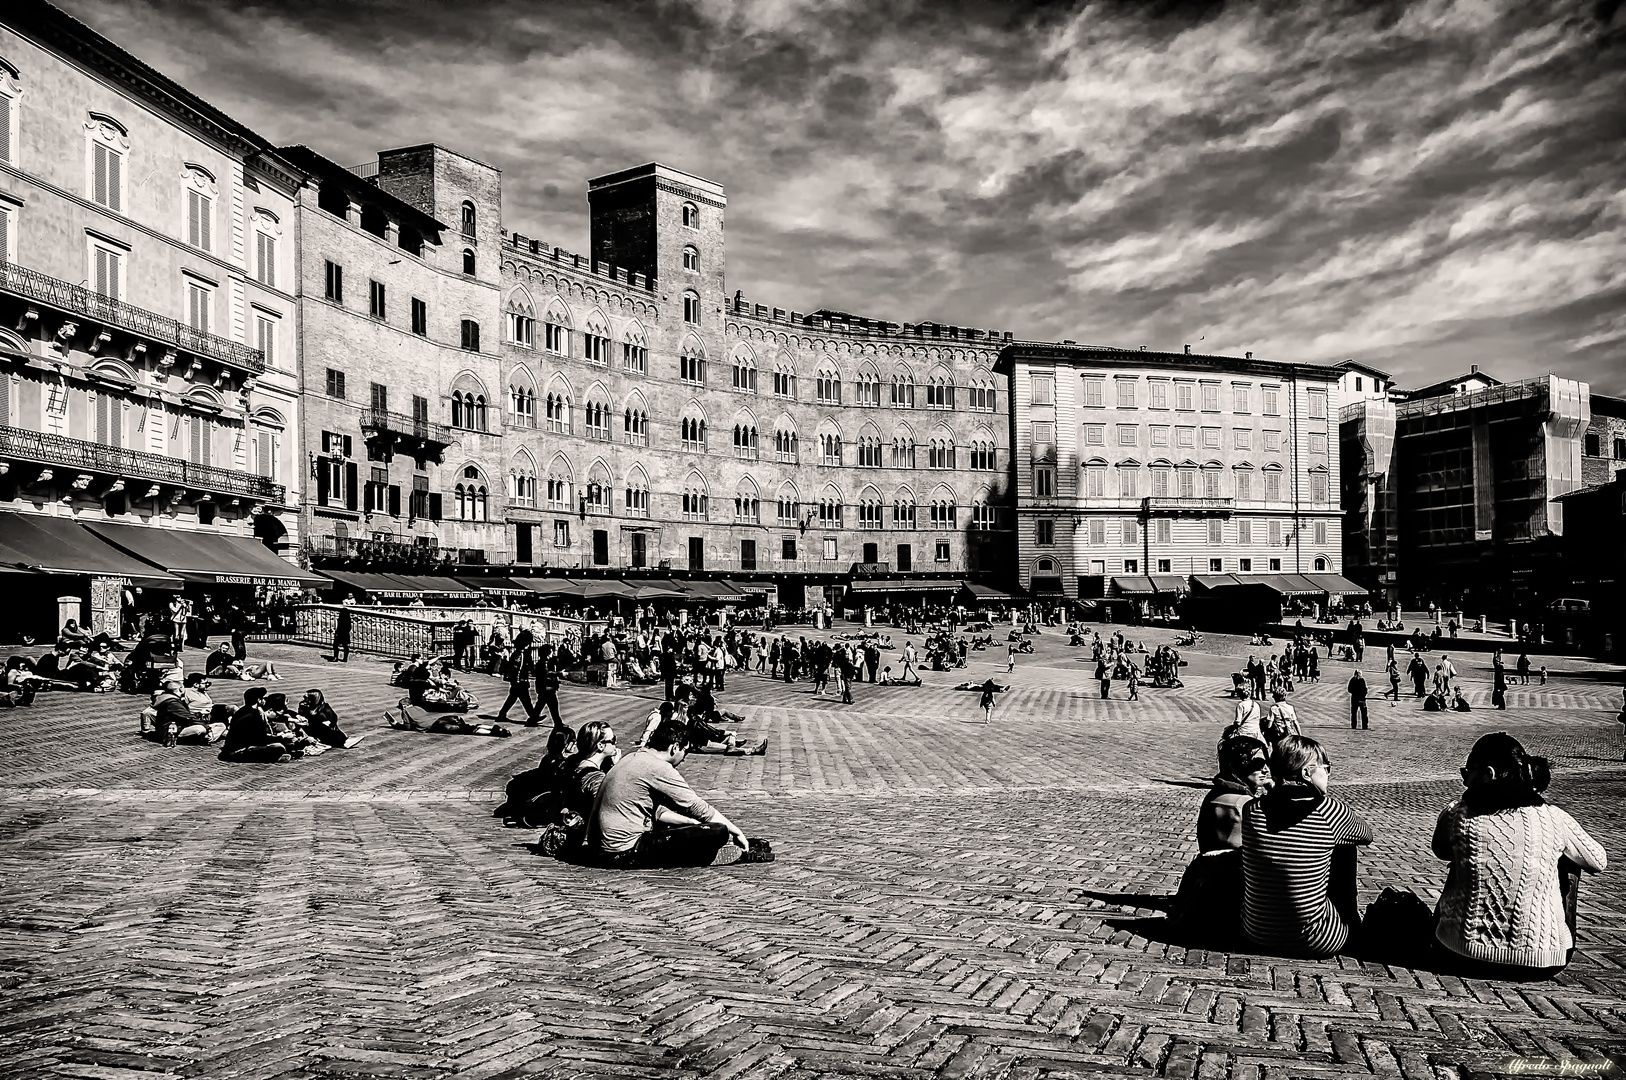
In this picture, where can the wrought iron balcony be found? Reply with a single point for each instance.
(43, 448)
(30, 284)
(432, 435)
(1162, 504)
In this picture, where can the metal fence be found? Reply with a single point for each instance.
(402, 632)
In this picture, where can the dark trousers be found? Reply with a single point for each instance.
(1357, 709)
(520, 692)
(681, 845)
(325, 733)
(717, 678)
(1106, 689)
(549, 699)
(268, 752)
(670, 678)
(341, 645)
(846, 691)
(873, 666)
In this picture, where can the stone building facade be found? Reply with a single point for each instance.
(1133, 463)
(147, 320)
(398, 294)
(656, 422)
(1603, 446)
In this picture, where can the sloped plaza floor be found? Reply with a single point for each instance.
(949, 900)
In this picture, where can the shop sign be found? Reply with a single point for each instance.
(250, 579)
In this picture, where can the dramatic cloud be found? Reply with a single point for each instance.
(1417, 185)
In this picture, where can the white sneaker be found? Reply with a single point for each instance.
(353, 741)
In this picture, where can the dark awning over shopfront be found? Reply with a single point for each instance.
(434, 586)
(1173, 584)
(551, 586)
(988, 592)
(721, 591)
(207, 557)
(48, 545)
(499, 586)
(375, 584)
(903, 585)
(1336, 585)
(1282, 584)
(1210, 582)
(1134, 586)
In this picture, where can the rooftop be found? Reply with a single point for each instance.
(655, 169)
(1112, 356)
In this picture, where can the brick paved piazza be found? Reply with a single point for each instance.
(949, 900)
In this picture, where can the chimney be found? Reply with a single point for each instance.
(1473, 369)
(1249, 356)
(1143, 348)
(1188, 350)
(1068, 341)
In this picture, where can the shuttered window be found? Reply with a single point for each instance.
(106, 180)
(109, 419)
(5, 398)
(107, 273)
(197, 308)
(5, 128)
(267, 339)
(199, 219)
(266, 259)
(265, 454)
(5, 232)
(199, 450)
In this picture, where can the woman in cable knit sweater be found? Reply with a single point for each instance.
(1502, 912)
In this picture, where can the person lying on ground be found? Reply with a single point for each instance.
(1503, 912)
(20, 684)
(223, 664)
(412, 718)
(979, 687)
(704, 736)
(647, 815)
(1292, 902)
(249, 738)
(322, 723)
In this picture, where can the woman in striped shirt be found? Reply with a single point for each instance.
(1291, 903)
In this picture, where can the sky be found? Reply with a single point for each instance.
(1417, 186)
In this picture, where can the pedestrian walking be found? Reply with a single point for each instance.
(1499, 690)
(845, 670)
(1104, 674)
(1134, 683)
(1357, 701)
(341, 636)
(991, 688)
(1523, 668)
(547, 691)
(1010, 658)
(909, 658)
(518, 671)
(1393, 671)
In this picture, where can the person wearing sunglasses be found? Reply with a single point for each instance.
(1505, 911)
(1298, 896)
(583, 775)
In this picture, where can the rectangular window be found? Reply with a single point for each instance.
(380, 397)
(1128, 435)
(107, 177)
(1242, 438)
(942, 552)
(200, 212)
(1270, 407)
(1244, 532)
(1317, 401)
(1163, 565)
(1216, 566)
(1182, 397)
(1131, 566)
(265, 259)
(1098, 531)
(1273, 487)
(601, 549)
(1160, 436)
(1044, 434)
(7, 108)
(1044, 389)
(1244, 565)
(420, 317)
(471, 335)
(199, 299)
(1318, 487)
(561, 534)
(266, 338)
(375, 299)
(1044, 483)
(1130, 531)
(634, 358)
(1095, 434)
(1094, 393)
(1211, 438)
(335, 384)
(8, 230)
(1185, 436)
(1044, 532)
(1164, 530)
(1126, 393)
(1210, 397)
(107, 271)
(1273, 441)
(1318, 442)
(697, 553)
(1275, 533)
(335, 282)
(829, 549)
(748, 554)
(1216, 531)
(1318, 533)
(1239, 399)
(1244, 484)
(1095, 482)
(1129, 482)
(1159, 394)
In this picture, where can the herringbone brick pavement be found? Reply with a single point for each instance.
(950, 900)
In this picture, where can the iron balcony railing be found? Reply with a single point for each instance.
(47, 449)
(426, 431)
(33, 285)
(1163, 504)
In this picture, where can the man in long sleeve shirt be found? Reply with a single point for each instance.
(647, 815)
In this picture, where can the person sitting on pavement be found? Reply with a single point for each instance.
(20, 684)
(249, 737)
(1282, 719)
(1295, 900)
(1503, 913)
(646, 815)
(285, 726)
(322, 723)
(168, 715)
(93, 669)
(73, 637)
(223, 664)
(1209, 899)
(1459, 703)
(583, 774)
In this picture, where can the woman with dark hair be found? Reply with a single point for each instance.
(1297, 900)
(1502, 911)
(517, 671)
